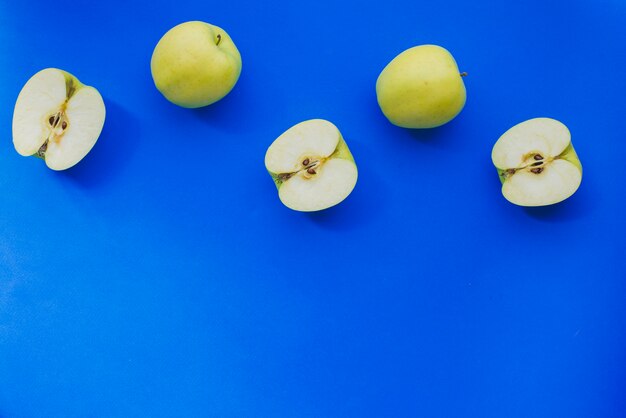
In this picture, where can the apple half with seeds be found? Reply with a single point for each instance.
(537, 163)
(57, 118)
(311, 166)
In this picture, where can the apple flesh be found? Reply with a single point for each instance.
(311, 166)
(421, 88)
(57, 118)
(195, 64)
(536, 163)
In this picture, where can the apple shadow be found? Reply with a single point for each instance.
(236, 112)
(117, 145)
(364, 204)
(445, 136)
(578, 206)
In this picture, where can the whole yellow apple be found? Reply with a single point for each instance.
(421, 88)
(195, 64)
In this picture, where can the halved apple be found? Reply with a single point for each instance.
(537, 163)
(57, 118)
(311, 166)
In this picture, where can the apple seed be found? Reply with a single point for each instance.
(537, 170)
(538, 157)
(64, 125)
(311, 171)
(306, 162)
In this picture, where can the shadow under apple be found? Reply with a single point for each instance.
(235, 112)
(578, 206)
(446, 137)
(360, 208)
(116, 147)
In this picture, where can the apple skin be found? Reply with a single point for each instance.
(195, 64)
(421, 88)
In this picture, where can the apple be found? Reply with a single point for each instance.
(311, 166)
(195, 64)
(57, 118)
(537, 163)
(421, 88)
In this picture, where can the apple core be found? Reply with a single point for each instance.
(58, 123)
(308, 169)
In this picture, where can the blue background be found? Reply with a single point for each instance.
(163, 277)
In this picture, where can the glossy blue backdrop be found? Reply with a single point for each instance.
(162, 276)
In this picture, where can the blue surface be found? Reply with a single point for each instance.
(162, 276)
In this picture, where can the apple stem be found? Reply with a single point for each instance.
(219, 39)
(463, 74)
